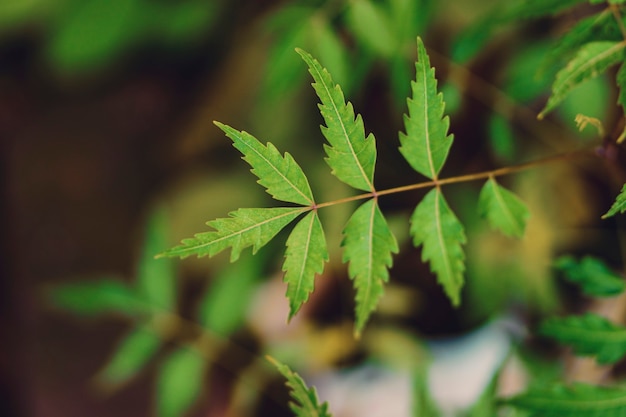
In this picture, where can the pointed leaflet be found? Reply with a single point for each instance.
(179, 383)
(593, 276)
(368, 244)
(281, 175)
(245, 227)
(588, 335)
(503, 209)
(591, 60)
(426, 143)
(576, 400)
(305, 256)
(351, 155)
(619, 206)
(436, 227)
(306, 402)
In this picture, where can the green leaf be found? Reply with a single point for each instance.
(305, 256)
(503, 209)
(576, 400)
(621, 100)
(527, 9)
(306, 403)
(592, 59)
(224, 307)
(331, 50)
(131, 355)
(180, 382)
(619, 206)
(280, 175)
(156, 278)
(351, 155)
(98, 297)
(368, 246)
(434, 225)
(245, 227)
(588, 335)
(372, 26)
(426, 143)
(592, 275)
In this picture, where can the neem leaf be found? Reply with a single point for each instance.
(434, 225)
(619, 206)
(372, 26)
(503, 209)
(591, 60)
(180, 382)
(368, 246)
(306, 402)
(305, 257)
(426, 143)
(351, 155)
(131, 355)
(281, 175)
(576, 400)
(98, 297)
(588, 335)
(245, 227)
(593, 276)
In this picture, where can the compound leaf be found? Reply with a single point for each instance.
(426, 143)
(179, 382)
(592, 59)
(368, 246)
(576, 400)
(619, 206)
(351, 155)
(592, 275)
(588, 335)
(132, 353)
(434, 225)
(305, 256)
(503, 209)
(306, 403)
(280, 175)
(245, 227)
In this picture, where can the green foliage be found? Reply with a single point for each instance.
(619, 206)
(93, 298)
(503, 209)
(588, 334)
(576, 400)
(306, 403)
(593, 276)
(179, 382)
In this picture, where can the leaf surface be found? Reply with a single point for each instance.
(368, 247)
(576, 400)
(372, 26)
(619, 206)
(591, 60)
(306, 403)
(426, 143)
(245, 227)
(179, 382)
(280, 175)
(594, 277)
(503, 209)
(621, 99)
(589, 335)
(98, 297)
(351, 155)
(305, 256)
(434, 225)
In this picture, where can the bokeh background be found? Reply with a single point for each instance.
(106, 111)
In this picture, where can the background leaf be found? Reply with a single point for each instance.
(371, 24)
(426, 143)
(588, 335)
(592, 275)
(368, 246)
(306, 402)
(98, 297)
(305, 256)
(434, 225)
(280, 175)
(351, 155)
(503, 209)
(245, 227)
(180, 382)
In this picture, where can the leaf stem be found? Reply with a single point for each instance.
(618, 17)
(458, 179)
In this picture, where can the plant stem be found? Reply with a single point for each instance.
(618, 16)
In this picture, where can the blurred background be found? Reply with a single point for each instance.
(110, 155)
